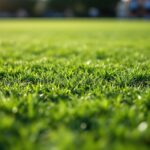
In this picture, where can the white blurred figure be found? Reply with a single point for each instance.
(22, 13)
(93, 12)
(122, 9)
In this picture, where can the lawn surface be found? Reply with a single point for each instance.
(74, 84)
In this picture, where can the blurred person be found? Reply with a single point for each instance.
(22, 13)
(134, 8)
(68, 12)
(93, 12)
(141, 8)
(122, 9)
(146, 6)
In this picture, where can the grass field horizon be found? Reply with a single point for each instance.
(74, 84)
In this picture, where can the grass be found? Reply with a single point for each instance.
(74, 84)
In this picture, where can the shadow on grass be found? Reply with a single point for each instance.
(140, 81)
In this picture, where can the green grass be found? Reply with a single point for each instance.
(74, 84)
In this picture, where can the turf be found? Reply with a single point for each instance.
(74, 84)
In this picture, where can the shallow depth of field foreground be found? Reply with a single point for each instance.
(74, 84)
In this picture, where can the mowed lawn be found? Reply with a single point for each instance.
(74, 84)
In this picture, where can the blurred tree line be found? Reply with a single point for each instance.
(79, 7)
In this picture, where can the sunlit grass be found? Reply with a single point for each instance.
(74, 84)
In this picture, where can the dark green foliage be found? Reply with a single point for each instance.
(87, 3)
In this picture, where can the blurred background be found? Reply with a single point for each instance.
(75, 8)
